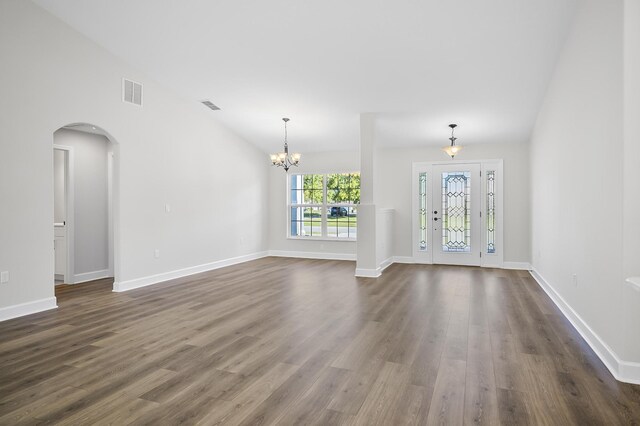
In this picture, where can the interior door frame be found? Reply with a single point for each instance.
(487, 260)
(69, 276)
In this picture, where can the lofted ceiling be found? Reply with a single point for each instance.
(417, 64)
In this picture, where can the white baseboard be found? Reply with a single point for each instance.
(368, 273)
(403, 259)
(27, 308)
(521, 266)
(385, 264)
(312, 255)
(629, 372)
(179, 273)
(525, 266)
(375, 273)
(90, 276)
(623, 371)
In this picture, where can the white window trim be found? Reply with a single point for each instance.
(322, 206)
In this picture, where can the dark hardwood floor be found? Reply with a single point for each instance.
(291, 342)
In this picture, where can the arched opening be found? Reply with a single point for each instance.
(85, 189)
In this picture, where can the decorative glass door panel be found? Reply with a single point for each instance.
(456, 214)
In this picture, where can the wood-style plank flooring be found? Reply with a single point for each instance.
(292, 342)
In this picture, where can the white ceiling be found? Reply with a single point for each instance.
(418, 64)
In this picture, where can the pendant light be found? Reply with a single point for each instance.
(452, 149)
(284, 159)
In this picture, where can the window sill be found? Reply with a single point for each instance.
(352, 240)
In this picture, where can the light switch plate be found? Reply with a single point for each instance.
(4, 277)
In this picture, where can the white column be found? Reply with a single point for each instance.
(366, 265)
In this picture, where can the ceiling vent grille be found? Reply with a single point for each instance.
(131, 92)
(210, 105)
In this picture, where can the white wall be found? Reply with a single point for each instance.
(167, 153)
(577, 164)
(59, 202)
(631, 209)
(395, 191)
(312, 162)
(91, 220)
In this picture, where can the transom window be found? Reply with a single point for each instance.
(324, 205)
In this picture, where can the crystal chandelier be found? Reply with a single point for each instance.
(284, 159)
(452, 149)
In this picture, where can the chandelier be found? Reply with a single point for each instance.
(452, 149)
(284, 159)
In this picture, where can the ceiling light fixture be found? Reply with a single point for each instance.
(452, 149)
(283, 159)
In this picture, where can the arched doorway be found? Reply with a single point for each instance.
(85, 204)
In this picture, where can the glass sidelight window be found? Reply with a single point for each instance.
(491, 211)
(422, 211)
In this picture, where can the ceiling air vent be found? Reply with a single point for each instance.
(210, 105)
(131, 92)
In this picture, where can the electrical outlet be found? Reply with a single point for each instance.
(4, 277)
(156, 253)
(575, 280)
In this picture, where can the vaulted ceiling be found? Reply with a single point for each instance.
(417, 64)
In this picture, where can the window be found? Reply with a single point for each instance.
(324, 205)
(491, 211)
(422, 211)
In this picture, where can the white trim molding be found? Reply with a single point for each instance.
(28, 308)
(375, 273)
(90, 276)
(179, 273)
(623, 371)
(368, 273)
(403, 259)
(312, 255)
(385, 264)
(519, 266)
(69, 202)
